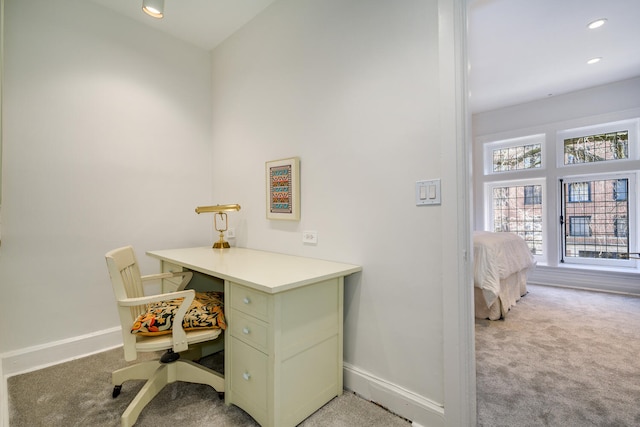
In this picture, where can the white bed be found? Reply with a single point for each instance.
(502, 262)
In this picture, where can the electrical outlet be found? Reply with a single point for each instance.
(310, 237)
(231, 233)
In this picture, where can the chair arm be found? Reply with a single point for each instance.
(179, 337)
(130, 302)
(187, 277)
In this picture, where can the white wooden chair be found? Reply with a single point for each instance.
(128, 288)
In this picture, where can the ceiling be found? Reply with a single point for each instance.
(525, 50)
(519, 50)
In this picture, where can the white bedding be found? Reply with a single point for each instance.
(496, 257)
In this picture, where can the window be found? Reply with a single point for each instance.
(597, 148)
(580, 226)
(514, 158)
(579, 192)
(514, 154)
(518, 209)
(598, 144)
(620, 190)
(621, 227)
(597, 226)
(533, 195)
(591, 217)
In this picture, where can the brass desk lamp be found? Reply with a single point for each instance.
(221, 211)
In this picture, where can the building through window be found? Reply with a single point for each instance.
(579, 192)
(596, 226)
(518, 209)
(596, 167)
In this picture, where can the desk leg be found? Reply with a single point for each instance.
(227, 340)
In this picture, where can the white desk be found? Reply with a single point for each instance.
(283, 344)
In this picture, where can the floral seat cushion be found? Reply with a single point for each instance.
(206, 311)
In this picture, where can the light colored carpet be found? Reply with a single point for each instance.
(78, 393)
(561, 358)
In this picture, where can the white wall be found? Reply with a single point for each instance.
(353, 89)
(106, 143)
(365, 92)
(595, 101)
(597, 105)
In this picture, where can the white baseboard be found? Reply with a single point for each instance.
(420, 410)
(41, 356)
(571, 276)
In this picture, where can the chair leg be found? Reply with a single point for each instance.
(159, 375)
(151, 388)
(188, 371)
(139, 371)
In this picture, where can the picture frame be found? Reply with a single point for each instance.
(283, 189)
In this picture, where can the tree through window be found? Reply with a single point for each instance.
(597, 148)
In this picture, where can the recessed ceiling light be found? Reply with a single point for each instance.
(153, 8)
(597, 23)
(594, 60)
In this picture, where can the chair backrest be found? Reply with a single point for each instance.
(127, 283)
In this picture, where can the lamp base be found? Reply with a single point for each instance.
(221, 245)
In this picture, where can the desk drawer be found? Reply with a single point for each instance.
(249, 301)
(249, 330)
(249, 374)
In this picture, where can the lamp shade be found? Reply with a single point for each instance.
(153, 8)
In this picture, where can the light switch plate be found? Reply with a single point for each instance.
(428, 192)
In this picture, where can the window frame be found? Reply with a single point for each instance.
(616, 221)
(632, 204)
(631, 125)
(489, 223)
(572, 196)
(584, 225)
(488, 149)
(617, 192)
(532, 198)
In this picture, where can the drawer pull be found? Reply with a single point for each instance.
(246, 300)
(246, 376)
(245, 330)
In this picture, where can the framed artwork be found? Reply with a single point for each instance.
(283, 189)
